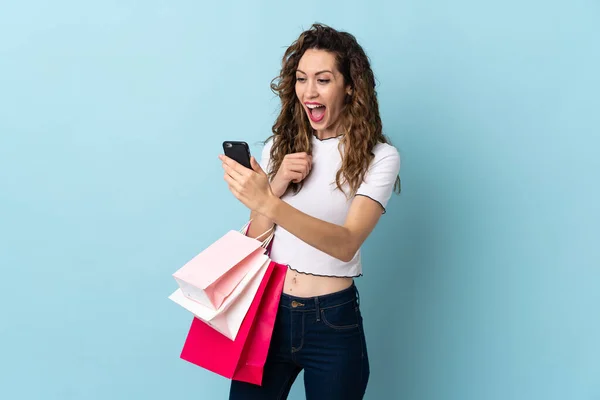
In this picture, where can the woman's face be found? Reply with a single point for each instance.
(321, 89)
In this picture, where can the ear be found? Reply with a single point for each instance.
(348, 97)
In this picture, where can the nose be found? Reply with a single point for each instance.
(311, 89)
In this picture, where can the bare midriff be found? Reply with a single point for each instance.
(306, 285)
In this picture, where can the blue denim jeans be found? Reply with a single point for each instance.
(321, 335)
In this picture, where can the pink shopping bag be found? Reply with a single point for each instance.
(244, 358)
(214, 273)
(228, 318)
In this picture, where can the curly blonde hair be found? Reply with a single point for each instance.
(360, 120)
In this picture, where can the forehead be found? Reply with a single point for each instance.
(315, 60)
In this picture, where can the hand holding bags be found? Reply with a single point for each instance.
(233, 289)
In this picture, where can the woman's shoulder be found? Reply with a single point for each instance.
(387, 154)
(380, 178)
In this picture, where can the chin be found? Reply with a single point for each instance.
(318, 126)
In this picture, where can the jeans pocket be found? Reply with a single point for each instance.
(341, 317)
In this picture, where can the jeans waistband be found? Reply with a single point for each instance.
(320, 302)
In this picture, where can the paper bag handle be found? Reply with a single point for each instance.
(265, 242)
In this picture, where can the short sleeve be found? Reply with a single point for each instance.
(265, 157)
(381, 176)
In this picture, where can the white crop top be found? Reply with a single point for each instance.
(320, 198)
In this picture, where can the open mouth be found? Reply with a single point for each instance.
(316, 111)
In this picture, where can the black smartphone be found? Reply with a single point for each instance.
(238, 151)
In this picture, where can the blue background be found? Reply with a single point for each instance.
(482, 281)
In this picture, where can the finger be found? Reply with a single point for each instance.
(233, 184)
(256, 166)
(302, 171)
(298, 163)
(233, 191)
(299, 157)
(299, 160)
(299, 167)
(302, 155)
(229, 170)
(296, 176)
(307, 159)
(234, 165)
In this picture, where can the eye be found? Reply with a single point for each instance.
(300, 79)
(323, 81)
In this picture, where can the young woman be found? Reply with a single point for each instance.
(324, 180)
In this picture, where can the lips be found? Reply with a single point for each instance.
(316, 111)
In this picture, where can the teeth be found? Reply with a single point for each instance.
(313, 106)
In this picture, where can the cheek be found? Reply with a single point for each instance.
(298, 89)
(335, 97)
(336, 101)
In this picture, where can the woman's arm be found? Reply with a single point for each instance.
(294, 167)
(259, 225)
(339, 241)
(252, 188)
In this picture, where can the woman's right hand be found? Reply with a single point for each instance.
(294, 168)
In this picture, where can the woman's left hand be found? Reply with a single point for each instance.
(250, 186)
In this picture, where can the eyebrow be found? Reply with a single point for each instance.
(318, 73)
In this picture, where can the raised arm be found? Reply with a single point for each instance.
(253, 189)
(294, 168)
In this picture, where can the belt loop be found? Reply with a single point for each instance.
(318, 310)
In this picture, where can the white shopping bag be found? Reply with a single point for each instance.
(228, 318)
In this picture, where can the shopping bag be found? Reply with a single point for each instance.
(244, 358)
(227, 319)
(212, 275)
